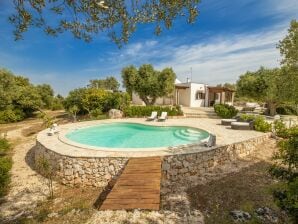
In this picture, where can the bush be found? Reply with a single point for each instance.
(57, 104)
(225, 110)
(261, 125)
(90, 100)
(5, 166)
(285, 168)
(10, 115)
(144, 111)
(282, 131)
(247, 117)
(287, 110)
(96, 113)
(4, 146)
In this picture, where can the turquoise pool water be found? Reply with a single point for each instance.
(131, 135)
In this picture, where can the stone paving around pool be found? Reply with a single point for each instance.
(180, 165)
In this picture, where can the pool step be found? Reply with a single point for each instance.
(185, 136)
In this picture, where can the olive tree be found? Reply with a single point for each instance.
(148, 83)
(261, 85)
(289, 50)
(109, 83)
(84, 18)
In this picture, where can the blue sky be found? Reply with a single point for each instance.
(229, 38)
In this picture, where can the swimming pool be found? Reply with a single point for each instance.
(132, 135)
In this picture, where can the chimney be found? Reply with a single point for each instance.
(188, 80)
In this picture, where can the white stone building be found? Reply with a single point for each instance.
(191, 94)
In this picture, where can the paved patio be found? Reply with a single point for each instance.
(225, 135)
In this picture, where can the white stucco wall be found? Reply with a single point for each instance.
(184, 97)
(136, 100)
(194, 87)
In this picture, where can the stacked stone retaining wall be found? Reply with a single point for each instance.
(177, 170)
(77, 171)
(185, 170)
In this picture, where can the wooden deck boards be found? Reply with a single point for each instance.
(138, 187)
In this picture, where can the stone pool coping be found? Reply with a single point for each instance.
(62, 137)
(62, 146)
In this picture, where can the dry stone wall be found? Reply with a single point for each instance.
(178, 170)
(76, 171)
(185, 170)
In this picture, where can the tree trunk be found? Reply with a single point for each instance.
(272, 108)
(148, 101)
(153, 101)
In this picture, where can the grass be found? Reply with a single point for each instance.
(246, 190)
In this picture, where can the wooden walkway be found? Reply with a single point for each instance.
(138, 187)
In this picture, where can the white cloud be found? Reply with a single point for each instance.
(218, 59)
(226, 57)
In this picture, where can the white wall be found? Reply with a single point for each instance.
(136, 99)
(184, 97)
(193, 90)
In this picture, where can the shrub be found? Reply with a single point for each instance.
(225, 110)
(46, 169)
(282, 131)
(285, 168)
(287, 110)
(88, 100)
(10, 115)
(280, 128)
(96, 113)
(118, 101)
(143, 111)
(247, 117)
(261, 125)
(57, 104)
(5, 166)
(4, 146)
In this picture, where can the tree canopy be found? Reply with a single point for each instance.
(148, 83)
(261, 85)
(95, 101)
(84, 18)
(19, 98)
(275, 85)
(231, 86)
(289, 51)
(109, 83)
(289, 46)
(47, 95)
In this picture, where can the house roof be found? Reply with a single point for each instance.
(182, 85)
(218, 89)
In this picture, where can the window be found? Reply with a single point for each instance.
(200, 95)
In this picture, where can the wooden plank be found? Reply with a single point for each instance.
(139, 171)
(134, 195)
(138, 197)
(133, 201)
(137, 181)
(130, 206)
(133, 192)
(141, 175)
(138, 187)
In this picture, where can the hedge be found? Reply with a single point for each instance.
(225, 110)
(144, 111)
